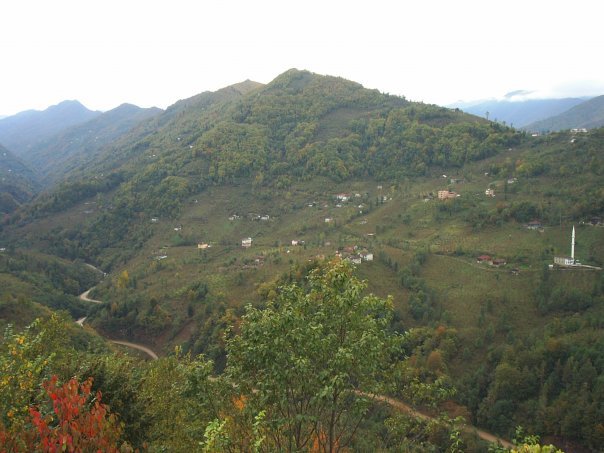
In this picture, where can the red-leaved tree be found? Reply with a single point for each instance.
(76, 423)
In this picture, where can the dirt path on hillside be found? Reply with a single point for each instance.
(403, 407)
(140, 347)
(84, 297)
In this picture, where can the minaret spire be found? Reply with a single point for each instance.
(572, 246)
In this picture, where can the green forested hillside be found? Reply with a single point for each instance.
(310, 167)
(18, 183)
(299, 126)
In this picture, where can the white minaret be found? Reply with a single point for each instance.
(572, 246)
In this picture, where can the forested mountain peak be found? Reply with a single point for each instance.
(298, 126)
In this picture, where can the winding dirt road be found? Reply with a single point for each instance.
(397, 404)
(140, 347)
(84, 297)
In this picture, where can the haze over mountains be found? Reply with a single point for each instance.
(538, 115)
(588, 114)
(56, 155)
(22, 131)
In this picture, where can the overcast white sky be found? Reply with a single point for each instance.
(152, 53)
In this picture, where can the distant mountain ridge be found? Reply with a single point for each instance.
(22, 131)
(72, 147)
(588, 114)
(518, 113)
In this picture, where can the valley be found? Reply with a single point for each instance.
(215, 217)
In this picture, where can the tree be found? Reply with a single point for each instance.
(311, 359)
(74, 423)
(123, 280)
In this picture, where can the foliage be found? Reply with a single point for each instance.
(46, 279)
(74, 423)
(310, 358)
(180, 399)
(24, 361)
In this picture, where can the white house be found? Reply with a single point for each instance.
(356, 259)
(203, 246)
(367, 256)
(564, 261)
(246, 243)
(489, 192)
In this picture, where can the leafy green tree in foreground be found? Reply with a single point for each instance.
(309, 361)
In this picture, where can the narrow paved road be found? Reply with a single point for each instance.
(140, 347)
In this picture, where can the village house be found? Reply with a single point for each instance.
(489, 192)
(564, 261)
(328, 219)
(154, 220)
(512, 180)
(246, 243)
(343, 197)
(203, 245)
(484, 259)
(446, 194)
(297, 242)
(498, 262)
(355, 259)
(265, 217)
(234, 217)
(458, 180)
(367, 256)
(534, 225)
